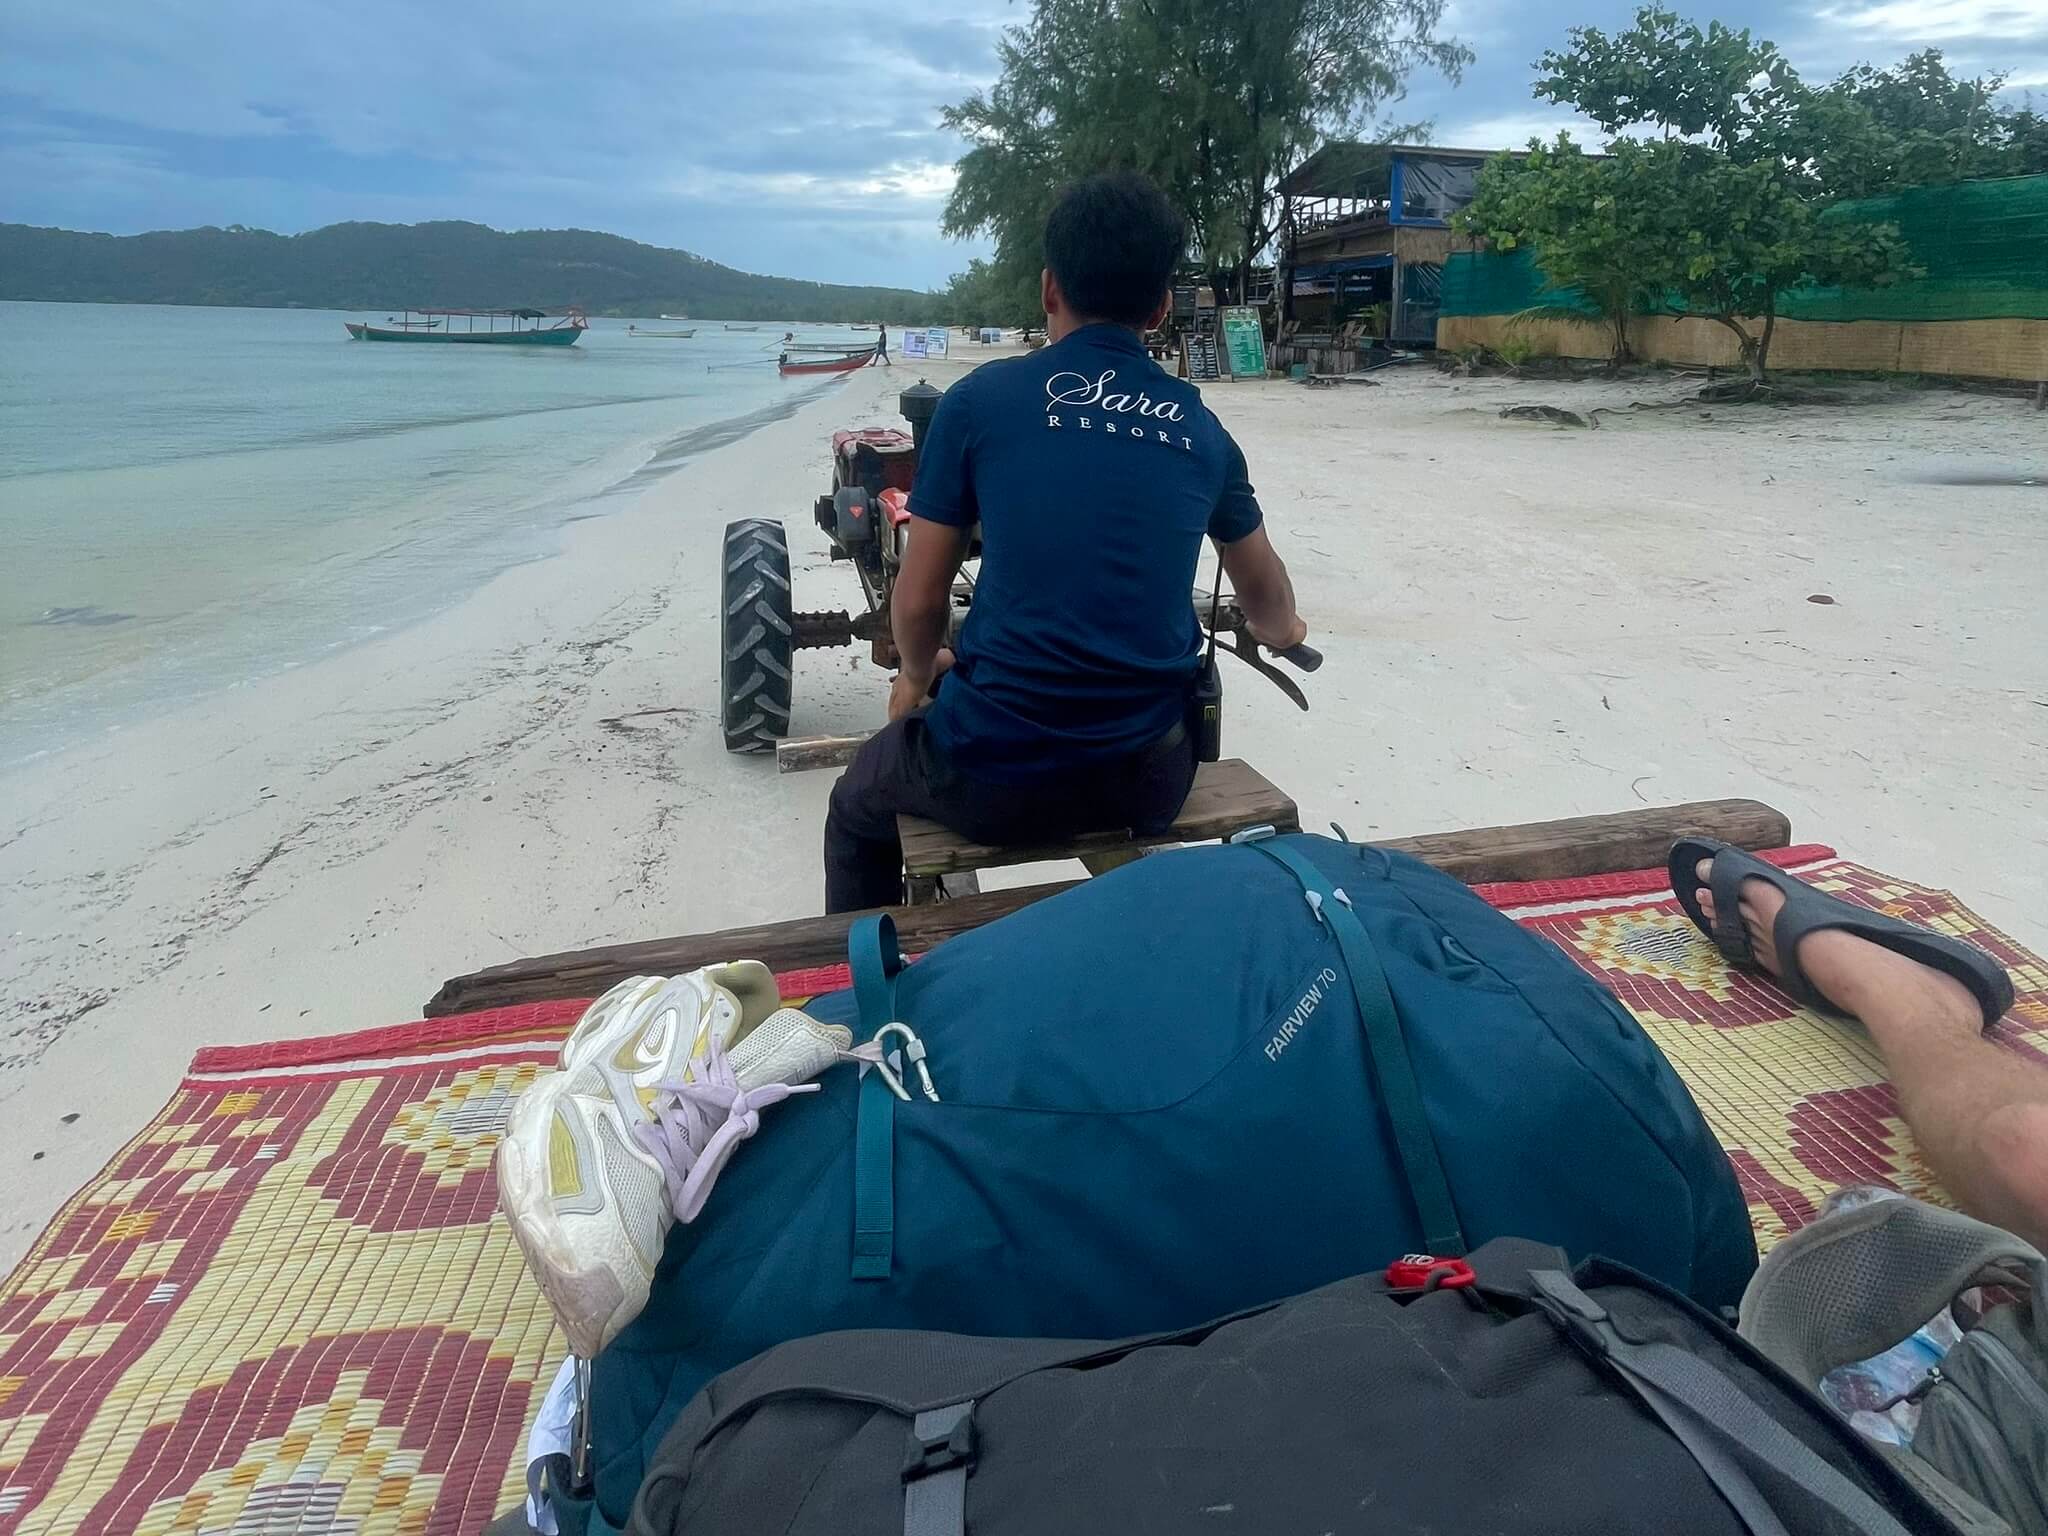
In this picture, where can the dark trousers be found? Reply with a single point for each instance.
(900, 769)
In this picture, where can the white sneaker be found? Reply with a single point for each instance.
(660, 1082)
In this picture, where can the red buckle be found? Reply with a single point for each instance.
(1424, 1272)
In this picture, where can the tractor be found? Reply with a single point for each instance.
(865, 519)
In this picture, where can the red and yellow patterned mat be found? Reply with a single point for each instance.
(289, 1304)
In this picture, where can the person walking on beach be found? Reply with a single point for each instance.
(882, 346)
(1095, 477)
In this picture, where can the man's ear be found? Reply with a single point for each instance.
(1050, 299)
(1159, 314)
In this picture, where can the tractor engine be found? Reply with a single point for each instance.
(872, 472)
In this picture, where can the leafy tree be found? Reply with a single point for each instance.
(1750, 233)
(1598, 225)
(986, 294)
(1674, 78)
(1214, 99)
(1732, 172)
(1917, 125)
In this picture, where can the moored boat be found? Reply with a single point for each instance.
(520, 327)
(787, 365)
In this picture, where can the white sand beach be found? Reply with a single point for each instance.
(1521, 622)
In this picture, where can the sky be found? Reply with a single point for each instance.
(797, 137)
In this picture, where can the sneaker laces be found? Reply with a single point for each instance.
(696, 1126)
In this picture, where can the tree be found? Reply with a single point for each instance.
(1214, 99)
(985, 294)
(1597, 225)
(1916, 125)
(1750, 234)
(1732, 171)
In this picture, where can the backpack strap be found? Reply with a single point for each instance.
(1723, 1427)
(935, 1468)
(1863, 1277)
(1399, 1093)
(876, 960)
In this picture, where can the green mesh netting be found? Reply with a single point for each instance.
(1984, 245)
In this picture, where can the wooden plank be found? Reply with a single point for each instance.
(795, 944)
(1594, 845)
(1545, 850)
(1227, 797)
(796, 754)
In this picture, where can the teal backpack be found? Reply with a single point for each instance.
(1213, 1078)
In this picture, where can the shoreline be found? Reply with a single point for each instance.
(214, 642)
(311, 851)
(1520, 623)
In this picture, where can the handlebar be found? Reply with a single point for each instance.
(1304, 656)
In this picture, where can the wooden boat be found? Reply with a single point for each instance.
(634, 330)
(787, 365)
(743, 327)
(839, 347)
(520, 327)
(675, 317)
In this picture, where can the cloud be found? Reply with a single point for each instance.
(1514, 130)
(736, 130)
(1950, 21)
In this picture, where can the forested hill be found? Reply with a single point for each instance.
(443, 265)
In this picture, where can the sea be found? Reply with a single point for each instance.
(193, 498)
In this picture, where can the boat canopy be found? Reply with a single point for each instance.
(502, 314)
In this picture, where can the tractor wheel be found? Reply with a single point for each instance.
(754, 633)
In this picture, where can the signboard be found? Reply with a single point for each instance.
(935, 342)
(1244, 343)
(913, 343)
(1184, 301)
(1198, 356)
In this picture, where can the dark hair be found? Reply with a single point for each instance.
(1113, 242)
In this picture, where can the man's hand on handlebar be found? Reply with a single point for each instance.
(1295, 632)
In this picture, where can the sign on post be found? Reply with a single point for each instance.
(1244, 343)
(913, 343)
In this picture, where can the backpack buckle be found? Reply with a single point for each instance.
(1425, 1272)
(951, 1446)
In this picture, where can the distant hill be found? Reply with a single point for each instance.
(446, 265)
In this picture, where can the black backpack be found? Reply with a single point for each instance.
(1504, 1394)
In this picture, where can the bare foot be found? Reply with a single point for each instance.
(1846, 970)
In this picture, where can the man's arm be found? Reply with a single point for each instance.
(1264, 591)
(919, 604)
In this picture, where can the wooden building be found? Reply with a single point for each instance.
(1363, 242)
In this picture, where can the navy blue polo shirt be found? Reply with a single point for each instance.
(1095, 476)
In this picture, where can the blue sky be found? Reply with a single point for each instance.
(798, 137)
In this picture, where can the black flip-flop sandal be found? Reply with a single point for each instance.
(1808, 910)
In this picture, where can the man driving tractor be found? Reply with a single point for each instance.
(1094, 476)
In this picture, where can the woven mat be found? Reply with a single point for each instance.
(288, 1305)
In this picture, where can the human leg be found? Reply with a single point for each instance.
(1978, 1112)
(863, 854)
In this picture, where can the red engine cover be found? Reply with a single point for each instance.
(874, 454)
(895, 506)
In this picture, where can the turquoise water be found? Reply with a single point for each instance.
(192, 498)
